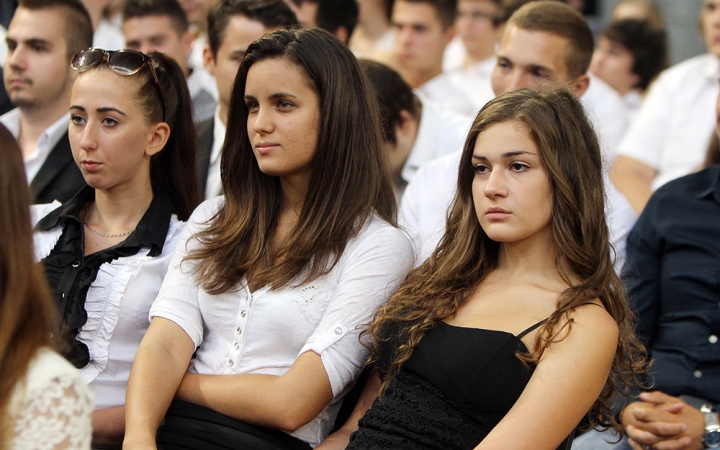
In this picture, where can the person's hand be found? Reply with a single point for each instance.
(663, 422)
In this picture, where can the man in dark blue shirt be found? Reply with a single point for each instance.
(672, 277)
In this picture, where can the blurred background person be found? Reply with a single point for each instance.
(470, 58)
(639, 10)
(42, 39)
(671, 132)
(415, 131)
(629, 55)
(161, 25)
(373, 32)
(339, 17)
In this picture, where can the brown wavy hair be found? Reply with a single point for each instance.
(27, 312)
(348, 183)
(436, 290)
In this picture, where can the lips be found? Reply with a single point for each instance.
(90, 166)
(497, 213)
(266, 147)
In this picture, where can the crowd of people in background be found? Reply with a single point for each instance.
(363, 224)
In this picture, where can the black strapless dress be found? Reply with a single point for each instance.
(458, 384)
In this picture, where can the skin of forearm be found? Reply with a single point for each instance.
(154, 379)
(108, 427)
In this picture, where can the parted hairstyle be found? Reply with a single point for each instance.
(348, 180)
(647, 44)
(173, 170)
(562, 20)
(446, 10)
(271, 13)
(28, 314)
(170, 8)
(78, 29)
(570, 153)
(393, 94)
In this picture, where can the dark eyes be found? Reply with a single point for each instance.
(482, 169)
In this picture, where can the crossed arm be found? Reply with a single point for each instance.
(160, 370)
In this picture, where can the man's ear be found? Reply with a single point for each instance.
(158, 137)
(342, 33)
(209, 60)
(579, 85)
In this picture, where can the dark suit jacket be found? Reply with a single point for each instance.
(59, 177)
(204, 132)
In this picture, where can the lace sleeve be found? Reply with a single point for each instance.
(56, 416)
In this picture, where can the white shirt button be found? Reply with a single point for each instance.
(713, 339)
(242, 313)
(239, 330)
(338, 330)
(697, 374)
(231, 362)
(236, 345)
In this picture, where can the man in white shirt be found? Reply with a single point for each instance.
(161, 25)
(544, 43)
(415, 129)
(42, 38)
(470, 58)
(423, 29)
(671, 133)
(232, 26)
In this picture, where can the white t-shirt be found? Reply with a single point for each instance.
(450, 98)
(439, 133)
(265, 331)
(475, 82)
(51, 406)
(672, 130)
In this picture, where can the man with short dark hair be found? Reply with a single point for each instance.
(544, 43)
(423, 29)
(414, 131)
(339, 17)
(161, 25)
(232, 26)
(42, 38)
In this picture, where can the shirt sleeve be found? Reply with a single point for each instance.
(645, 139)
(368, 273)
(178, 297)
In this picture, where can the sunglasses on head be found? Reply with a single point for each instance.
(122, 62)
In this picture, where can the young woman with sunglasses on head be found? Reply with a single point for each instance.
(268, 288)
(517, 324)
(44, 402)
(107, 250)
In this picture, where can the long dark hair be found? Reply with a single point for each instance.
(570, 153)
(173, 171)
(348, 183)
(28, 314)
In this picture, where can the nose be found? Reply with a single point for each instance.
(496, 185)
(16, 58)
(88, 141)
(516, 81)
(261, 121)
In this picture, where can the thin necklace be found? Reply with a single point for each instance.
(103, 234)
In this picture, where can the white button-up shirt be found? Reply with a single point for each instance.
(672, 131)
(265, 331)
